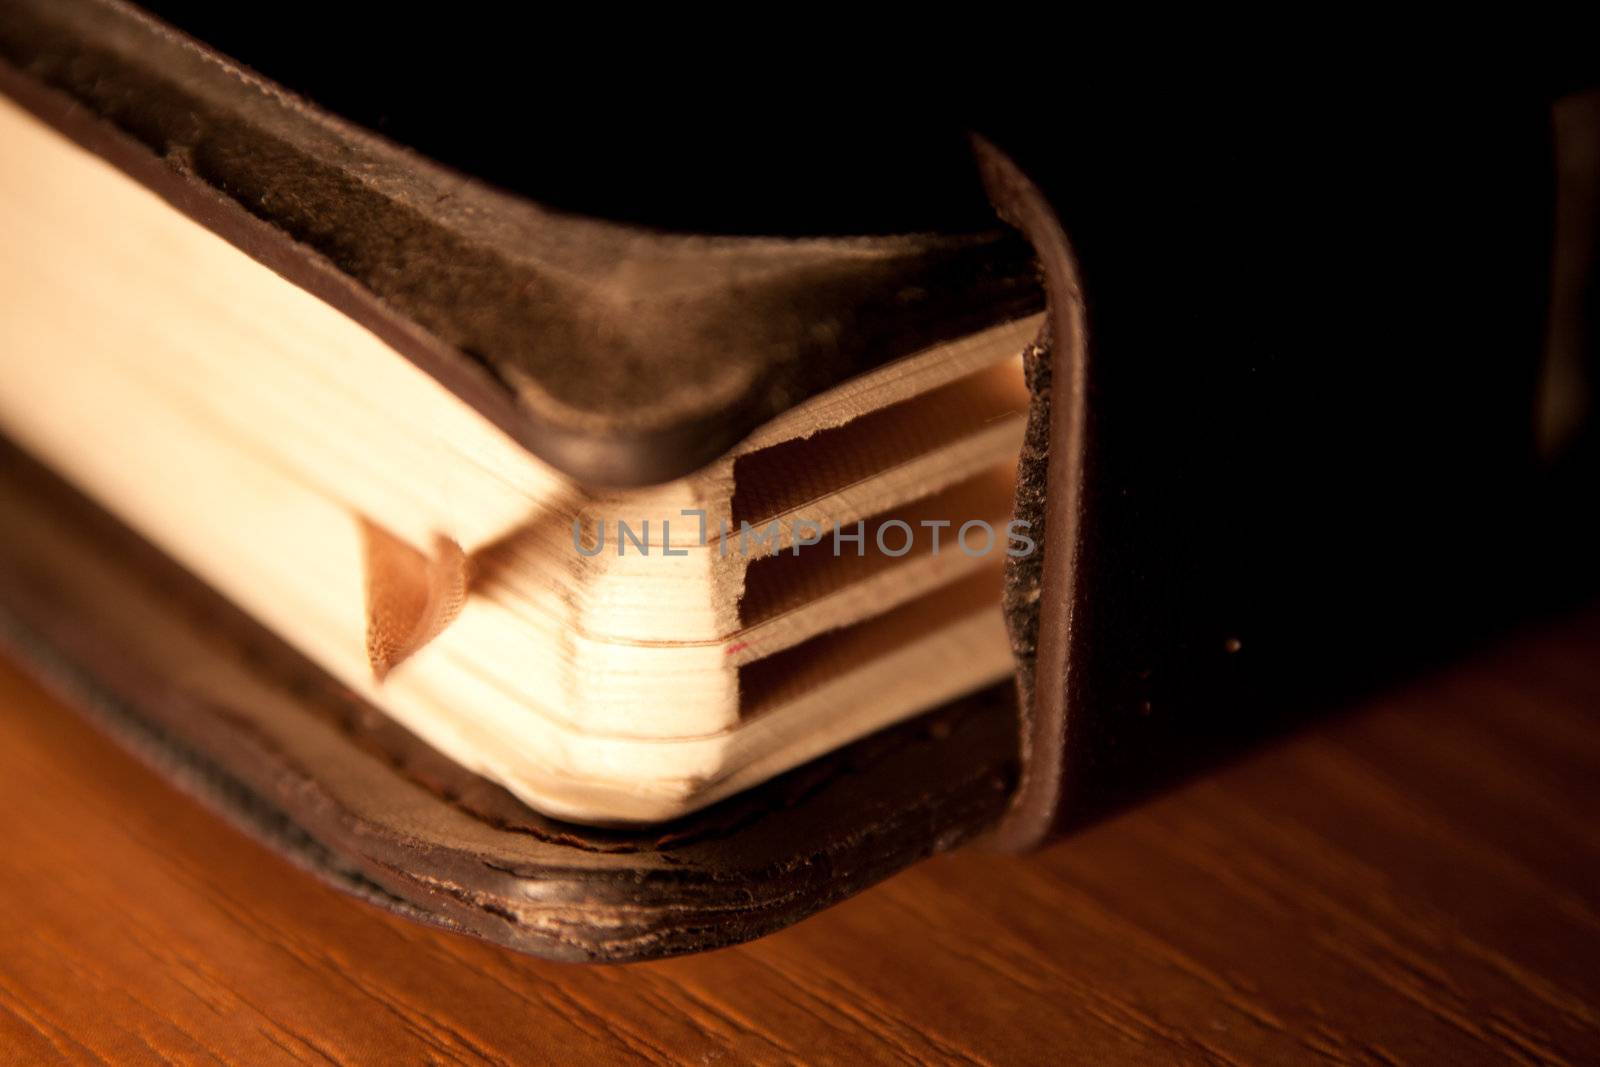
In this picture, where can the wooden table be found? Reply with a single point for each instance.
(1415, 881)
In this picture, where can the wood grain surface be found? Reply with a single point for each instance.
(1415, 881)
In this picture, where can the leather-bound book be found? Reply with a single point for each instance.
(623, 532)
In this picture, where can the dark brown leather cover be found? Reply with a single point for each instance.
(622, 355)
(234, 716)
(1283, 443)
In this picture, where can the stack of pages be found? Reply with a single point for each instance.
(616, 656)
